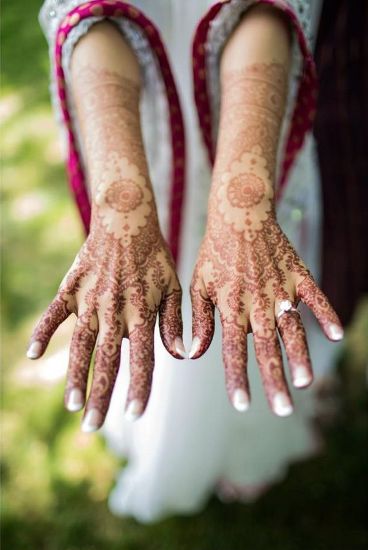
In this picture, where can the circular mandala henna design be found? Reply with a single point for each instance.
(123, 189)
(245, 190)
(124, 196)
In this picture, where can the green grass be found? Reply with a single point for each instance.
(56, 480)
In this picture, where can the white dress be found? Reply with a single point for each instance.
(191, 442)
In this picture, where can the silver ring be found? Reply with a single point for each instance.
(286, 307)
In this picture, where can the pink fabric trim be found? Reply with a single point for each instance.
(114, 8)
(306, 99)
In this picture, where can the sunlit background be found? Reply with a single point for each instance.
(55, 479)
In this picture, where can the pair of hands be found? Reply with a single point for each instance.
(124, 276)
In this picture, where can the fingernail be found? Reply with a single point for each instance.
(179, 347)
(75, 400)
(282, 405)
(194, 347)
(335, 332)
(34, 350)
(302, 377)
(92, 421)
(134, 410)
(240, 400)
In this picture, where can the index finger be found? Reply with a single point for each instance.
(59, 310)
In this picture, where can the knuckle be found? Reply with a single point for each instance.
(195, 291)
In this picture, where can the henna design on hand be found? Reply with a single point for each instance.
(124, 274)
(245, 190)
(255, 94)
(246, 266)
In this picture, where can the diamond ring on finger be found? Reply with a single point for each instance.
(286, 306)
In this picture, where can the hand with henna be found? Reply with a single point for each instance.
(246, 266)
(124, 275)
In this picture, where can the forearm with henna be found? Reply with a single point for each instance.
(246, 265)
(124, 274)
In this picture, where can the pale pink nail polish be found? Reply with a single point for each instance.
(75, 400)
(134, 410)
(240, 400)
(92, 421)
(194, 347)
(281, 404)
(34, 350)
(335, 332)
(179, 347)
(302, 377)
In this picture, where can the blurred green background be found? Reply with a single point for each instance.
(55, 479)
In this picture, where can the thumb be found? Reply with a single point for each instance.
(171, 323)
(203, 321)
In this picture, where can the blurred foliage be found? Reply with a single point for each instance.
(55, 479)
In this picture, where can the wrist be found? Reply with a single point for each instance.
(120, 183)
(246, 182)
(241, 200)
(123, 198)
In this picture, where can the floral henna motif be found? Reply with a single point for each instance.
(124, 196)
(245, 190)
(135, 203)
(118, 98)
(124, 274)
(252, 102)
(246, 266)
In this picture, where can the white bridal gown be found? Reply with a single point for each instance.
(191, 442)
